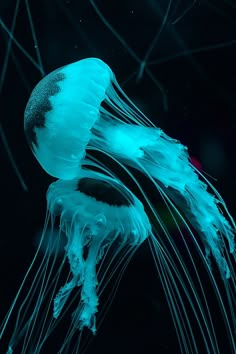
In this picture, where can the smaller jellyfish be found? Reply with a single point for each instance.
(95, 212)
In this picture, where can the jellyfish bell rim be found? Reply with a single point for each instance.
(65, 169)
(67, 203)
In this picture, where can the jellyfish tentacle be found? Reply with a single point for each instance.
(62, 297)
(89, 295)
(167, 161)
(80, 108)
(95, 211)
(74, 251)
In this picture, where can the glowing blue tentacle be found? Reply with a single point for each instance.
(167, 161)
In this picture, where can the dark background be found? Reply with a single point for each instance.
(188, 90)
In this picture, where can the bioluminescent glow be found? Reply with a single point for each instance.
(94, 213)
(72, 112)
(64, 118)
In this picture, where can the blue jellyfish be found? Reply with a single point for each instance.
(94, 213)
(73, 112)
(103, 223)
(82, 108)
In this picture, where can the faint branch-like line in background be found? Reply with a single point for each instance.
(193, 51)
(9, 45)
(220, 12)
(132, 53)
(42, 72)
(13, 39)
(10, 156)
(180, 17)
(154, 42)
(2, 78)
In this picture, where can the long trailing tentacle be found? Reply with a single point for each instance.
(166, 160)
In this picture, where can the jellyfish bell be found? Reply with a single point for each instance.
(60, 113)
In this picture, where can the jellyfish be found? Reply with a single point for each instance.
(96, 214)
(81, 107)
(78, 122)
